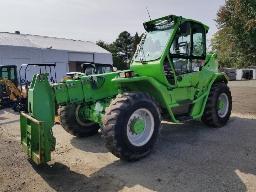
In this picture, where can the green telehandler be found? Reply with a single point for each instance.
(170, 78)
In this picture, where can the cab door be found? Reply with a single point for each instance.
(187, 53)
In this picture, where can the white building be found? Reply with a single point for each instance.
(68, 54)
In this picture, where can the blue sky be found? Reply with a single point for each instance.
(98, 19)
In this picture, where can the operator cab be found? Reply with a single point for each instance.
(187, 56)
(27, 70)
(92, 69)
(9, 72)
(172, 45)
(96, 68)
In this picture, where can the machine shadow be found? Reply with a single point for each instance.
(187, 157)
(93, 144)
(4, 118)
(8, 122)
(1, 111)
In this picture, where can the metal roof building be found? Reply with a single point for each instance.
(68, 54)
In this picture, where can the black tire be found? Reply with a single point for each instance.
(114, 130)
(211, 116)
(70, 122)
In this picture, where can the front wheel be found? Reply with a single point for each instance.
(218, 107)
(131, 125)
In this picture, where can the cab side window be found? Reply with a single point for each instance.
(181, 44)
(12, 74)
(198, 46)
(181, 49)
(198, 49)
(198, 40)
(5, 73)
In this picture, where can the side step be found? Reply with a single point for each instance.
(36, 139)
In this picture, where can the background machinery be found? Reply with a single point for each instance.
(171, 78)
(13, 92)
(92, 69)
(10, 94)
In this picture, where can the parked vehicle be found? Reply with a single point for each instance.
(171, 78)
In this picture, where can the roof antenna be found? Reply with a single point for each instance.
(148, 13)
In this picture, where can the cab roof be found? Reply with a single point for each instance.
(171, 18)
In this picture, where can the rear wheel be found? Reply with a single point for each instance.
(131, 125)
(218, 107)
(20, 105)
(72, 121)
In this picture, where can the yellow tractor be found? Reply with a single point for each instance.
(13, 92)
(10, 94)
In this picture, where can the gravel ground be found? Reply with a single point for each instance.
(187, 157)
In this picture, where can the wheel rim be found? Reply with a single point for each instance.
(78, 115)
(140, 127)
(222, 105)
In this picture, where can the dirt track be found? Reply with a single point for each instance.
(187, 157)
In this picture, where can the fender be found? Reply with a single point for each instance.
(200, 103)
(210, 75)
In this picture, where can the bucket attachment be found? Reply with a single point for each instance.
(36, 139)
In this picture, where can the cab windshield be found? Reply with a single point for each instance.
(152, 45)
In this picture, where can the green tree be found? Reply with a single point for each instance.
(136, 41)
(122, 49)
(124, 45)
(103, 45)
(235, 41)
(118, 61)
